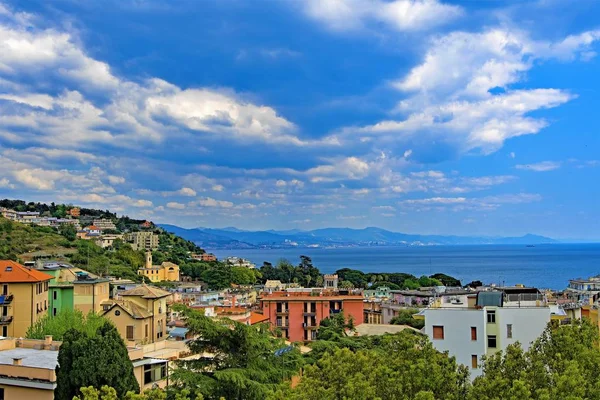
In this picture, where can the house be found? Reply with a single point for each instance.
(585, 290)
(495, 320)
(104, 224)
(140, 314)
(8, 213)
(206, 257)
(273, 285)
(299, 313)
(167, 271)
(74, 212)
(142, 240)
(146, 225)
(239, 262)
(27, 368)
(108, 240)
(73, 288)
(23, 297)
(372, 311)
(27, 217)
(92, 230)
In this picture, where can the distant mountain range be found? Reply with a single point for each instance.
(233, 238)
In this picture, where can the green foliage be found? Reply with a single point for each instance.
(399, 366)
(395, 280)
(68, 231)
(58, 325)
(18, 239)
(244, 365)
(109, 393)
(405, 317)
(304, 274)
(564, 363)
(97, 361)
(446, 280)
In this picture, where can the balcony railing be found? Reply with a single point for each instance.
(6, 320)
(334, 311)
(309, 312)
(309, 326)
(282, 312)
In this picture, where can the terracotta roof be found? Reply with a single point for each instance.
(256, 318)
(11, 271)
(92, 228)
(147, 292)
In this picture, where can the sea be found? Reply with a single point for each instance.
(543, 266)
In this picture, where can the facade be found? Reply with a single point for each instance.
(498, 319)
(585, 290)
(299, 313)
(75, 212)
(27, 368)
(206, 257)
(105, 224)
(239, 262)
(107, 241)
(142, 240)
(140, 314)
(72, 288)
(372, 312)
(167, 271)
(23, 297)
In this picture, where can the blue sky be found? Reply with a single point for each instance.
(416, 116)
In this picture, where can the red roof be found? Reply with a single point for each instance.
(13, 272)
(92, 228)
(256, 318)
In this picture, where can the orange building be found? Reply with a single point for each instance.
(298, 314)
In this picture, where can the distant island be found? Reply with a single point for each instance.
(233, 238)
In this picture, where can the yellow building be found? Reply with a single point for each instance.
(140, 314)
(23, 298)
(167, 271)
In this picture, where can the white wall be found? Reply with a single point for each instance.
(457, 341)
(528, 324)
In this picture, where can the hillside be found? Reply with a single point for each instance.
(232, 238)
(23, 242)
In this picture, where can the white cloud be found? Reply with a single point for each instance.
(210, 202)
(399, 15)
(512, 155)
(541, 166)
(186, 191)
(218, 188)
(175, 205)
(116, 180)
(5, 183)
(473, 203)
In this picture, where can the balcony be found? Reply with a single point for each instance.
(6, 299)
(6, 320)
(282, 312)
(334, 311)
(281, 325)
(310, 313)
(310, 326)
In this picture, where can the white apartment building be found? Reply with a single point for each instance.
(498, 319)
(104, 224)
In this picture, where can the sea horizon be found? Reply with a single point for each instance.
(543, 266)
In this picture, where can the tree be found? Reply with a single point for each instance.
(244, 362)
(58, 325)
(96, 361)
(447, 280)
(399, 366)
(563, 363)
(109, 393)
(68, 231)
(405, 317)
(346, 285)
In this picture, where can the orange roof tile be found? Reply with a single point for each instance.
(256, 318)
(14, 272)
(92, 228)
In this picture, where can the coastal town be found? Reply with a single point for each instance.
(468, 322)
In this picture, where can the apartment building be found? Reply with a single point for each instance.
(140, 314)
(166, 272)
(299, 313)
(104, 224)
(73, 288)
(23, 297)
(372, 312)
(142, 240)
(495, 320)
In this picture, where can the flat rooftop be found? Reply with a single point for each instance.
(47, 359)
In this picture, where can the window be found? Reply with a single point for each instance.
(438, 332)
(117, 313)
(473, 333)
(491, 317)
(474, 361)
(129, 332)
(146, 331)
(5, 331)
(54, 311)
(509, 331)
(5, 290)
(2, 394)
(54, 294)
(492, 341)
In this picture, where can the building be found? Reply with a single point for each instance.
(140, 314)
(72, 288)
(104, 224)
(8, 213)
(146, 225)
(108, 240)
(142, 240)
(167, 271)
(27, 368)
(372, 312)
(239, 262)
(206, 257)
(27, 217)
(381, 292)
(497, 319)
(23, 299)
(74, 212)
(584, 290)
(299, 313)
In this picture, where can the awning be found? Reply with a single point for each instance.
(149, 361)
(178, 332)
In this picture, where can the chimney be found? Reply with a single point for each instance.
(149, 259)
(17, 361)
(47, 342)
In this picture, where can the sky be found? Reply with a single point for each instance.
(417, 116)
